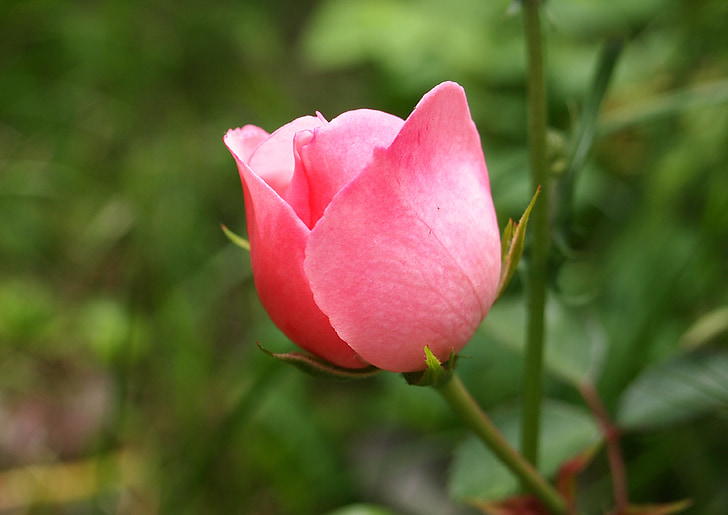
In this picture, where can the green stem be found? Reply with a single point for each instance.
(463, 404)
(540, 232)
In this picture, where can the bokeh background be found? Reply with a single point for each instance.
(129, 377)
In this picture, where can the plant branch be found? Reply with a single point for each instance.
(540, 232)
(614, 452)
(463, 404)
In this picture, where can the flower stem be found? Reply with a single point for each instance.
(540, 233)
(463, 404)
(614, 452)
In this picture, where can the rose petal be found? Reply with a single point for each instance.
(273, 160)
(277, 242)
(298, 194)
(333, 155)
(408, 253)
(243, 141)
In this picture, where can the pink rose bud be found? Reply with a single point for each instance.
(372, 237)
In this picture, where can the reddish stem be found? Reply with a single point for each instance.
(612, 435)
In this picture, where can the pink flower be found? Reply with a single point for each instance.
(372, 237)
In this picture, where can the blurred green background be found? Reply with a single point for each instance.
(129, 377)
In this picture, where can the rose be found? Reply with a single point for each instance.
(372, 237)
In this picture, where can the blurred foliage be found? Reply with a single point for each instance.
(129, 374)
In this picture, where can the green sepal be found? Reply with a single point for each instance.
(435, 374)
(512, 242)
(237, 240)
(318, 367)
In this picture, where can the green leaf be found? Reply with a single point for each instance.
(575, 347)
(292, 449)
(434, 374)
(586, 129)
(512, 242)
(477, 475)
(706, 329)
(587, 125)
(321, 368)
(237, 240)
(656, 107)
(677, 390)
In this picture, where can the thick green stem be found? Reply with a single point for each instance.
(540, 233)
(463, 404)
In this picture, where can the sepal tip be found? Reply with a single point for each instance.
(318, 367)
(435, 374)
(234, 238)
(512, 242)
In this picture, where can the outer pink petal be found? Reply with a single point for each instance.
(273, 159)
(277, 242)
(408, 254)
(334, 154)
